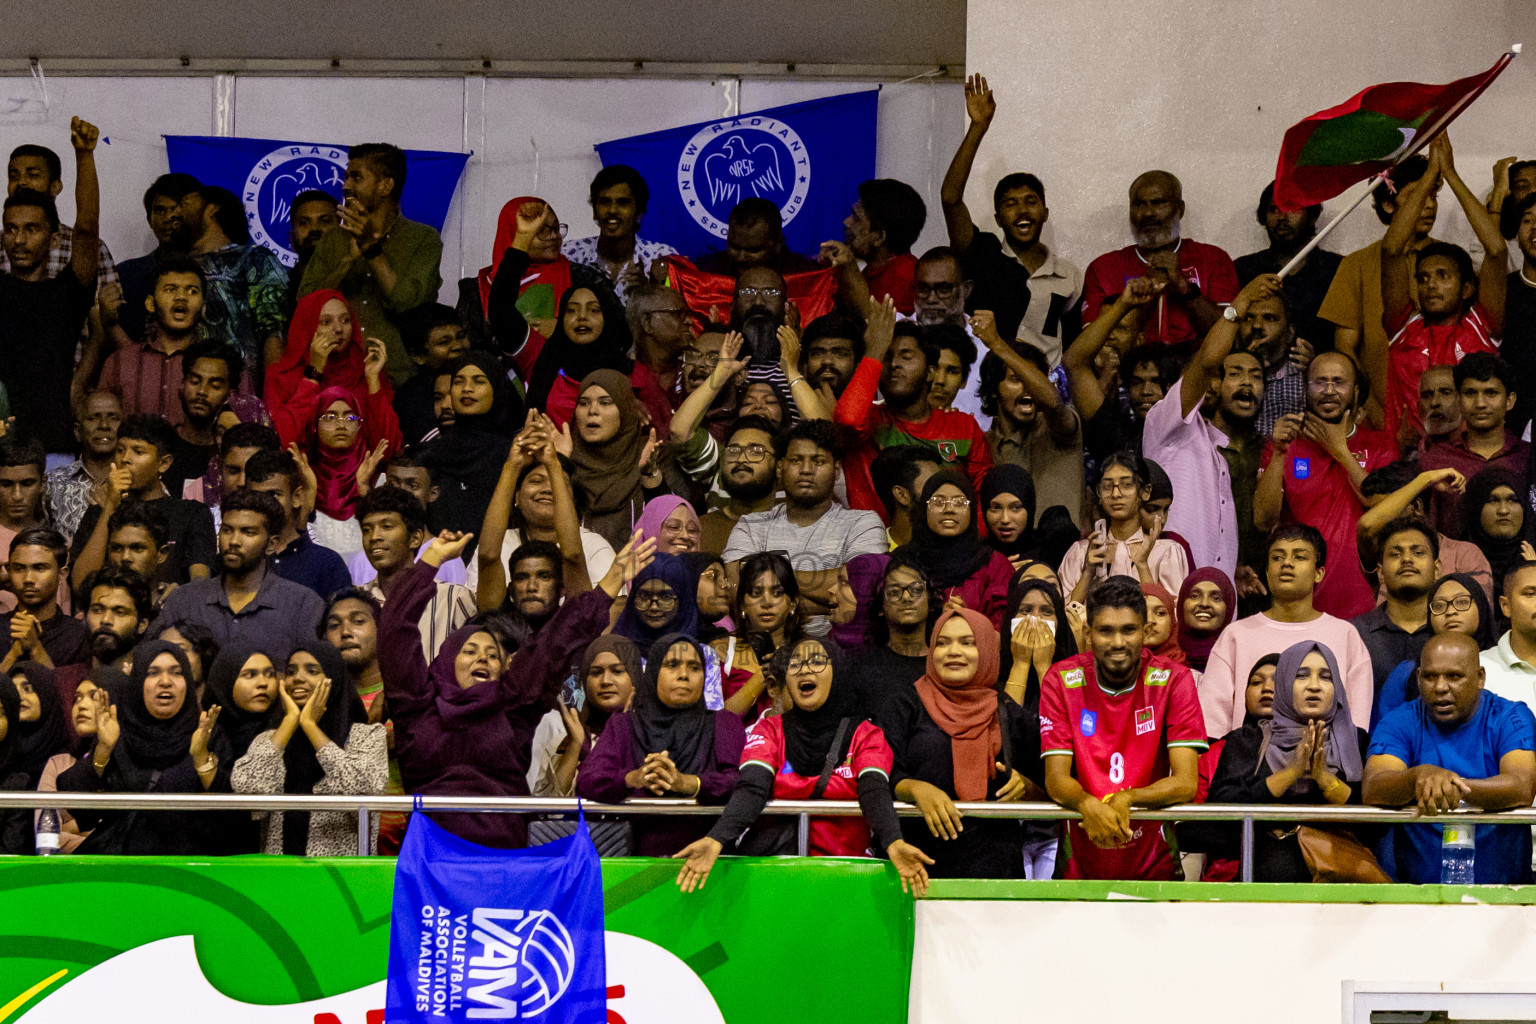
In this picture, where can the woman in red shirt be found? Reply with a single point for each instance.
(821, 748)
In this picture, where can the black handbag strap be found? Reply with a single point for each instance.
(833, 757)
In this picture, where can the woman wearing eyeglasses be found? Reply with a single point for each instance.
(1457, 604)
(326, 349)
(346, 448)
(662, 600)
(822, 748)
(1117, 545)
(946, 541)
(906, 608)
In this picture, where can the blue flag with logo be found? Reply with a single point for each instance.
(266, 174)
(481, 934)
(808, 159)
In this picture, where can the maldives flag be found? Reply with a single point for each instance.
(1326, 153)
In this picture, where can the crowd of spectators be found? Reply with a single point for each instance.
(964, 525)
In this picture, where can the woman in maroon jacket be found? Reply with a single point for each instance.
(946, 541)
(670, 745)
(464, 725)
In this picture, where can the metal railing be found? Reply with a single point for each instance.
(363, 806)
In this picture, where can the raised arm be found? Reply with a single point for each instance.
(1206, 365)
(691, 413)
(401, 662)
(805, 397)
(1492, 275)
(567, 522)
(87, 248)
(1396, 504)
(980, 108)
(1059, 416)
(491, 585)
(1396, 260)
(1082, 380)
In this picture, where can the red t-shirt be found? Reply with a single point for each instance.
(1166, 320)
(830, 837)
(1119, 741)
(1417, 345)
(894, 279)
(1317, 493)
(951, 434)
(1217, 869)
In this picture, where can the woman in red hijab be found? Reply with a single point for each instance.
(343, 436)
(325, 350)
(534, 274)
(1162, 633)
(954, 737)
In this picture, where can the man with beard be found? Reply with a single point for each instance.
(754, 237)
(297, 557)
(247, 600)
(749, 474)
(1213, 463)
(117, 611)
(138, 539)
(661, 325)
(210, 372)
(394, 527)
(898, 363)
(1439, 404)
(1198, 278)
(535, 575)
(71, 488)
(880, 230)
(351, 626)
(899, 474)
(1120, 728)
(245, 285)
(1485, 387)
(162, 209)
(619, 196)
(385, 264)
(1395, 631)
(832, 345)
(38, 628)
(312, 214)
(1033, 292)
(1313, 470)
(1401, 490)
(942, 289)
(1268, 331)
(1306, 286)
(1032, 426)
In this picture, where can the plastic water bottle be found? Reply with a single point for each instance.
(1458, 853)
(47, 832)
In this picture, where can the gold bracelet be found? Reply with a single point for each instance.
(208, 765)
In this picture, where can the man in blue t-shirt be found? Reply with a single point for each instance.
(1455, 743)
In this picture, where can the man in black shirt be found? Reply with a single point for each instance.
(162, 209)
(1306, 287)
(298, 559)
(38, 629)
(41, 317)
(1519, 347)
(146, 444)
(209, 373)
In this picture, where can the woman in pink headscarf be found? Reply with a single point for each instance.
(672, 522)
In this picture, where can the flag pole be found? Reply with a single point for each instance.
(1420, 141)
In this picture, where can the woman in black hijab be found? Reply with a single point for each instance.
(466, 457)
(339, 753)
(151, 737)
(1493, 508)
(669, 744)
(946, 542)
(243, 681)
(16, 824)
(1008, 509)
(41, 731)
(794, 756)
(572, 351)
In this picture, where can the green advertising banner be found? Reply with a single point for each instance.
(265, 939)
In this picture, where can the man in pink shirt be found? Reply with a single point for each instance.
(1296, 565)
(1200, 278)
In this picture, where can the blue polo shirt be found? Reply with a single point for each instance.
(311, 565)
(1472, 750)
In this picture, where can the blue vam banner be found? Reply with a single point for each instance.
(267, 173)
(481, 934)
(806, 158)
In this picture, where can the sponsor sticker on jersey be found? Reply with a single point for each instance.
(1158, 676)
(1302, 468)
(1089, 723)
(1072, 678)
(1145, 722)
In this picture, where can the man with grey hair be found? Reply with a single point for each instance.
(1199, 279)
(659, 322)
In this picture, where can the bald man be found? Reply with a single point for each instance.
(1199, 278)
(1456, 744)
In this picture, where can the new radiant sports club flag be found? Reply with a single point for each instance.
(806, 158)
(1331, 150)
(267, 174)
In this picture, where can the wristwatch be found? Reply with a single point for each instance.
(1230, 313)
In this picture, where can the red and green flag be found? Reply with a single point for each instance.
(1324, 154)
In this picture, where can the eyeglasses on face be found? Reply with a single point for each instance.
(759, 293)
(1440, 605)
(655, 598)
(693, 357)
(746, 453)
(1117, 487)
(938, 504)
(810, 663)
(340, 417)
(895, 591)
(558, 231)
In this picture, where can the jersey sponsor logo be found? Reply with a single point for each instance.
(1088, 723)
(1158, 676)
(1046, 725)
(950, 450)
(1145, 721)
(1301, 468)
(787, 769)
(1072, 678)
